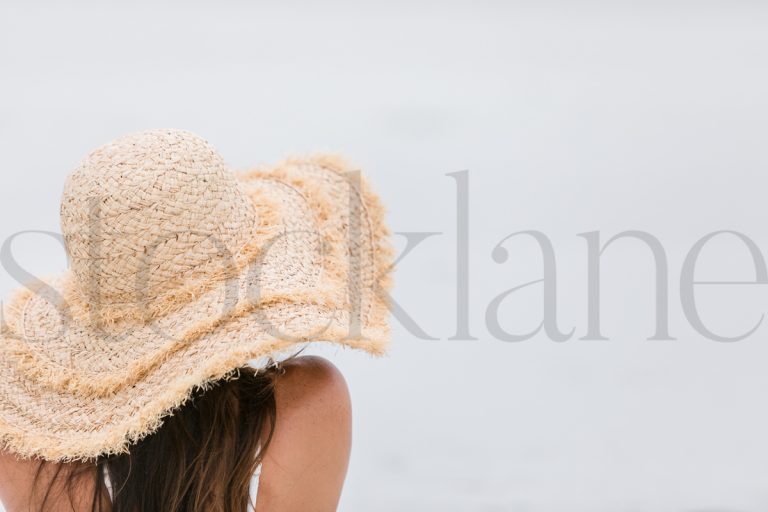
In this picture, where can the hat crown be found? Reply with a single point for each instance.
(144, 212)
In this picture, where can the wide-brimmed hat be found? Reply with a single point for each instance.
(180, 272)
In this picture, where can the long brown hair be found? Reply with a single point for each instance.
(201, 459)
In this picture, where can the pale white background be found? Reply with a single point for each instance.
(570, 117)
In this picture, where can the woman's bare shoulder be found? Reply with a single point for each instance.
(311, 384)
(305, 465)
(18, 492)
(16, 475)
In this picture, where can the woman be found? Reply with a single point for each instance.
(155, 373)
(303, 470)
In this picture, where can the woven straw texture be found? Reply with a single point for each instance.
(182, 271)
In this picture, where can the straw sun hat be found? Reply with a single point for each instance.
(181, 271)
